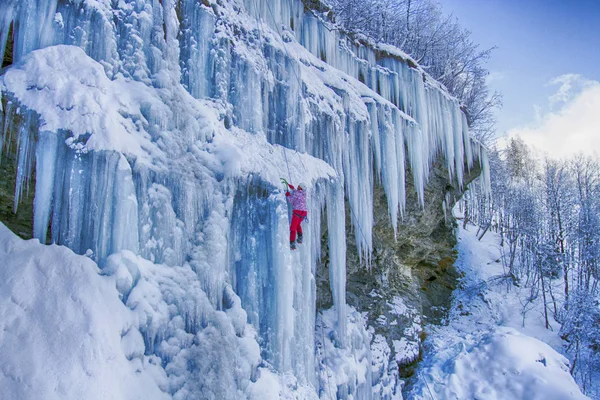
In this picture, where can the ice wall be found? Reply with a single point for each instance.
(163, 127)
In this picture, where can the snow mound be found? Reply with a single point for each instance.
(63, 329)
(504, 365)
(69, 330)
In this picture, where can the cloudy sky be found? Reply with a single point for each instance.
(547, 66)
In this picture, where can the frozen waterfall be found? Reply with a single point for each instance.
(158, 131)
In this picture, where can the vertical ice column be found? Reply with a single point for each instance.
(336, 226)
(451, 148)
(305, 261)
(358, 174)
(375, 136)
(418, 140)
(276, 13)
(197, 30)
(459, 146)
(7, 10)
(246, 93)
(400, 125)
(252, 244)
(73, 194)
(92, 27)
(390, 179)
(25, 150)
(283, 102)
(125, 221)
(284, 264)
(210, 255)
(275, 285)
(91, 198)
(35, 19)
(466, 140)
(417, 159)
(45, 161)
(387, 138)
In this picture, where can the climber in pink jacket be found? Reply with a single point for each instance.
(297, 197)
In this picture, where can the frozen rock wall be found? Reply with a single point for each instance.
(158, 131)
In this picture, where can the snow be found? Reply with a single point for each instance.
(504, 364)
(348, 369)
(82, 332)
(72, 92)
(491, 347)
(69, 327)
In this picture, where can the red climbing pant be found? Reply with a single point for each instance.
(297, 218)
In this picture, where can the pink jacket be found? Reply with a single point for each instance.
(297, 198)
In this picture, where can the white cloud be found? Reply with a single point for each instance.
(570, 86)
(572, 128)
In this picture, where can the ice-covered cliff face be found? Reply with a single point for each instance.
(161, 129)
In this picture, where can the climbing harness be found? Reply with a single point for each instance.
(304, 217)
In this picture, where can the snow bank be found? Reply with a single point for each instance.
(64, 331)
(69, 330)
(503, 364)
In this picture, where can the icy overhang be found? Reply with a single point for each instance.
(69, 91)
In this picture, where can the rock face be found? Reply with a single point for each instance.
(409, 281)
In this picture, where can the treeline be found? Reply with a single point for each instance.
(437, 42)
(548, 216)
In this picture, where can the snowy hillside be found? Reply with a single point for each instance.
(72, 331)
(492, 347)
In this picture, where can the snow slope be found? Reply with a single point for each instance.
(69, 330)
(488, 349)
(63, 329)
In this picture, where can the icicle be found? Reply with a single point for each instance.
(417, 158)
(459, 149)
(390, 162)
(336, 227)
(125, 223)
(45, 162)
(400, 127)
(25, 150)
(358, 180)
(37, 19)
(467, 141)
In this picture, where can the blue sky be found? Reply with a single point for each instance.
(547, 66)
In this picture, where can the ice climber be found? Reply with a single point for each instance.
(297, 197)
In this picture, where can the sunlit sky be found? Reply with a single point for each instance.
(547, 66)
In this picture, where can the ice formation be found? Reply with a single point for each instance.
(158, 131)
